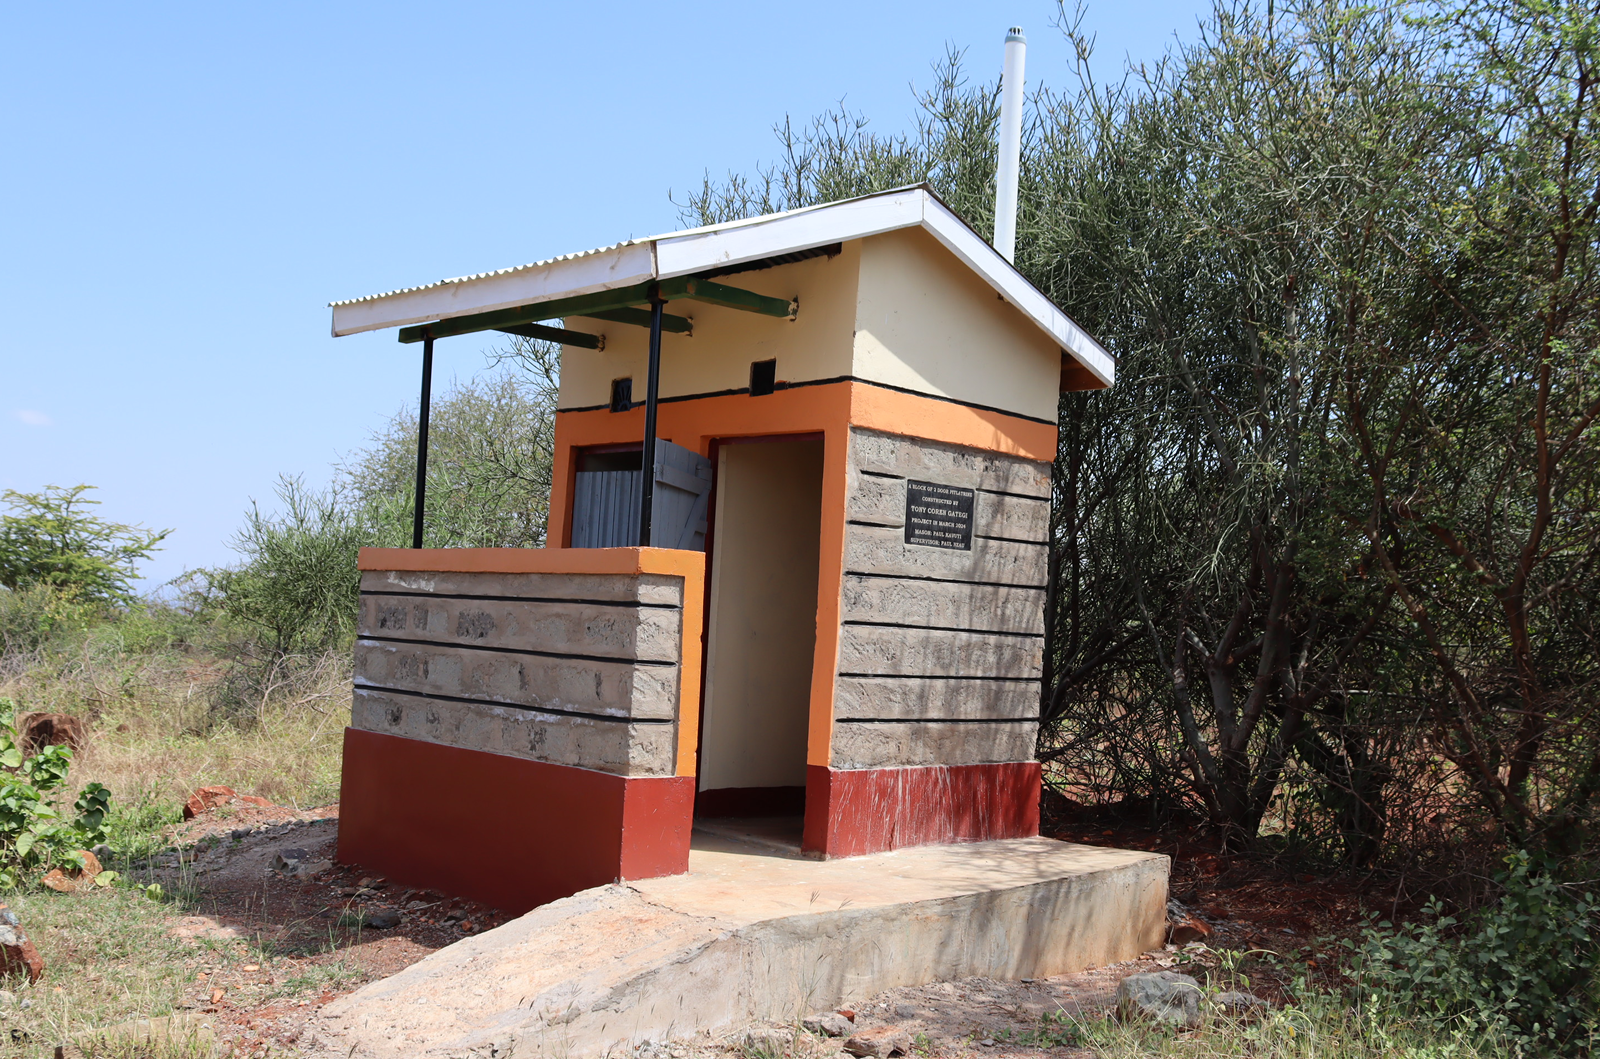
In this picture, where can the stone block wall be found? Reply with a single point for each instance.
(941, 649)
(568, 669)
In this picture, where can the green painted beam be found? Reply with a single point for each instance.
(555, 334)
(581, 305)
(688, 288)
(712, 293)
(680, 325)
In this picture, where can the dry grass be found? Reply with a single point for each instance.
(110, 959)
(165, 717)
(1320, 1026)
(166, 721)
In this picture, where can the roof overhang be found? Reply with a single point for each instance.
(718, 247)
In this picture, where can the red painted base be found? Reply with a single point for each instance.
(855, 811)
(511, 833)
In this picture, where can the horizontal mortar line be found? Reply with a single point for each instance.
(939, 676)
(517, 651)
(1012, 540)
(875, 525)
(945, 580)
(633, 604)
(976, 489)
(1016, 496)
(940, 628)
(514, 705)
(936, 720)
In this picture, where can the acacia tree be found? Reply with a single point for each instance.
(53, 540)
(491, 444)
(1203, 233)
(1290, 234)
(1472, 406)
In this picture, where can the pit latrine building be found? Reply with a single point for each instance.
(821, 609)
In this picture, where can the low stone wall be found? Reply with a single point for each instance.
(568, 668)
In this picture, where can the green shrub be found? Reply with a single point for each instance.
(298, 586)
(32, 615)
(34, 832)
(1527, 966)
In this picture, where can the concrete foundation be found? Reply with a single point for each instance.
(750, 933)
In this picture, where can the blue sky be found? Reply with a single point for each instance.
(187, 186)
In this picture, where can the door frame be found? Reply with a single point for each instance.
(714, 454)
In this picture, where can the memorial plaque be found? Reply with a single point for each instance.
(939, 516)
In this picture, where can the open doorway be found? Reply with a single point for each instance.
(761, 636)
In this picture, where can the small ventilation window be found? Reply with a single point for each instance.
(763, 377)
(621, 395)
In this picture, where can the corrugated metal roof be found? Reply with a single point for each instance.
(579, 255)
(545, 263)
(720, 248)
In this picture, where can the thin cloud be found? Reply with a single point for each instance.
(34, 419)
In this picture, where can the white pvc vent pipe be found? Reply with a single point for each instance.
(1010, 161)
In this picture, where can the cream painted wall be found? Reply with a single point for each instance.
(926, 322)
(815, 345)
(762, 631)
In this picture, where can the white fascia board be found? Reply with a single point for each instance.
(982, 258)
(687, 254)
(618, 266)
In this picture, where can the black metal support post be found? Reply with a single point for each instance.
(422, 442)
(647, 458)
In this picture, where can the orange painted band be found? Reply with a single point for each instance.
(831, 409)
(626, 561)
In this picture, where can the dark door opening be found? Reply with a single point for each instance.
(760, 637)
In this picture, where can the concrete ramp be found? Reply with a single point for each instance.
(755, 933)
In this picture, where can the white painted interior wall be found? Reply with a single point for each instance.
(763, 623)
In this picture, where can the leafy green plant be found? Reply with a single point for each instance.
(1527, 966)
(34, 832)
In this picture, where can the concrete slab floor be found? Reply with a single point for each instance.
(781, 833)
(747, 881)
(753, 932)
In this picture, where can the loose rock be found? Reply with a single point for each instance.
(1239, 1005)
(771, 1042)
(17, 954)
(830, 1024)
(1186, 930)
(879, 1043)
(1164, 996)
(39, 730)
(59, 881)
(206, 798)
(381, 920)
(297, 863)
